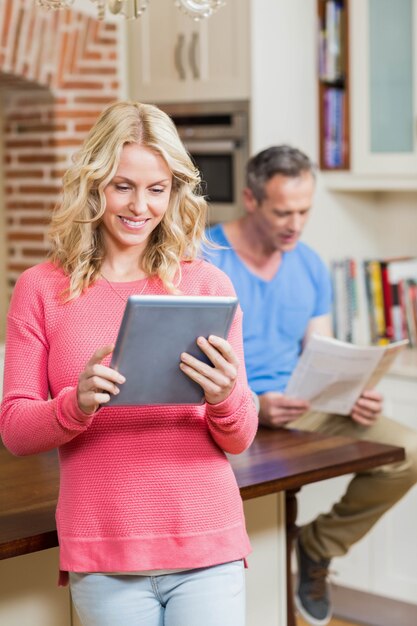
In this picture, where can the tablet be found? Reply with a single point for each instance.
(153, 333)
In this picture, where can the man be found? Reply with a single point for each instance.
(285, 292)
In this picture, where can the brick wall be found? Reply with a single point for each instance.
(58, 70)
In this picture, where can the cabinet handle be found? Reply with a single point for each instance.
(178, 56)
(193, 56)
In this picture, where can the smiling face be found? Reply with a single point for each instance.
(137, 199)
(279, 218)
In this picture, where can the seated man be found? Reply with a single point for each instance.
(285, 293)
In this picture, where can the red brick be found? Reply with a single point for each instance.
(25, 236)
(43, 189)
(97, 71)
(25, 173)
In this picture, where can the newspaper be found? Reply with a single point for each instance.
(332, 374)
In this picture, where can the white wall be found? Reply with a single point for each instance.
(284, 106)
(397, 223)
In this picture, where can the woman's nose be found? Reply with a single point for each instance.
(138, 204)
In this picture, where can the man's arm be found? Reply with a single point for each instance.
(321, 325)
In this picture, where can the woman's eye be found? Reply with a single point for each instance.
(122, 187)
(157, 189)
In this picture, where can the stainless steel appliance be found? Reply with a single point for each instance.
(216, 136)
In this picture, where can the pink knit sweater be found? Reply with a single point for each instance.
(141, 488)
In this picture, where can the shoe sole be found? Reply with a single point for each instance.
(307, 617)
(313, 621)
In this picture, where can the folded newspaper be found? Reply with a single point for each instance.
(332, 374)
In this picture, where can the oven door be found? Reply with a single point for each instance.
(221, 164)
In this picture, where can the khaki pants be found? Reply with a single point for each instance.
(369, 494)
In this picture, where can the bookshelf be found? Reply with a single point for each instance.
(388, 299)
(333, 84)
(366, 90)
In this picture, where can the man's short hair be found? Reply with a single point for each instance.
(284, 160)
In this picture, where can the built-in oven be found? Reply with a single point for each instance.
(216, 136)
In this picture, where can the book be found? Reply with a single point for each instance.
(332, 374)
(345, 299)
(387, 300)
(379, 299)
(399, 325)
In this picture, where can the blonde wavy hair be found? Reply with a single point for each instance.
(75, 233)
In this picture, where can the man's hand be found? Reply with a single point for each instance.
(277, 410)
(367, 408)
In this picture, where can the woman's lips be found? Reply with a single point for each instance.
(132, 224)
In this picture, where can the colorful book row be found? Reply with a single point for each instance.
(391, 293)
(331, 42)
(334, 116)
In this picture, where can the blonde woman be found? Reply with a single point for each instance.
(149, 518)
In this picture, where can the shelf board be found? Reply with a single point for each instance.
(337, 83)
(347, 181)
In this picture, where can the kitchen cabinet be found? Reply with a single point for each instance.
(174, 58)
(29, 594)
(383, 562)
(384, 84)
(382, 97)
(394, 551)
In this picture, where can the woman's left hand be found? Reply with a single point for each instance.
(217, 380)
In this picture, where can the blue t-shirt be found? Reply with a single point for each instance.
(276, 313)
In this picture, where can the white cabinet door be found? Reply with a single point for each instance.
(383, 86)
(173, 58)
(29, 595)
(393, 545)
(383, 562)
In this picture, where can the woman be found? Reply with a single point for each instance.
(149, 516)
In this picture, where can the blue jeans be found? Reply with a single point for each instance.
(210, 596)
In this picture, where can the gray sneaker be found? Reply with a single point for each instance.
(312, 594)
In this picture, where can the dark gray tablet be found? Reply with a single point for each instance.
(153, 333)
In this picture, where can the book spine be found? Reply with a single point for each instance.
(375, 277)
(373, 335)
(332, 44)
(409, 314)
(397, 316)
(387, 300)
(402, 299)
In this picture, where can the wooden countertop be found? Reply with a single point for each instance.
(277, 460)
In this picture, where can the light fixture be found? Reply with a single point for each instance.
(131, 9)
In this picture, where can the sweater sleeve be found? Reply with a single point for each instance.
(29, 421)
(233, 423)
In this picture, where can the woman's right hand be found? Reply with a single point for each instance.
(97, 382)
